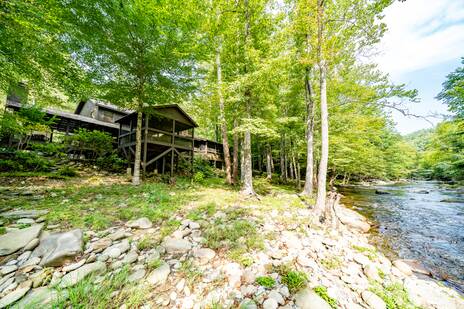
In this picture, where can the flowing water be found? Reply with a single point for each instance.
(419, 220)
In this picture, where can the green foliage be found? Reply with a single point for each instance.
(198, 177)
(67, 171)
(453, 91)
(154, 264)
(322, 292)
(96, 143)
(394, 295)
(48, 149)
(112, 163)
(331, 262)
(146, 242)
(24, 161)
(190, 272)
(266, 282)
(442, 155)
(203, 166)
(294, 280)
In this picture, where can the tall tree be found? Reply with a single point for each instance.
(139, 53)
(453, 91)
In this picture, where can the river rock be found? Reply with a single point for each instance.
(59, 248)
(204, 255)
(371, 272)
(159, 275)
(137, 275)
(352, 219)
(117, 249)
(100, 245)
(416, 267)
(14, 296)
(270, 304)
(130, 257)
(41, 297)
(308, 299)
(79, 274)
(173, 245)
(31, 213)
(428, 294)
(142, 223)
(31, 245)
(403, 267)
(8, 269)
(15, 240)
(373, 300)
(73, 266)
(25, 221)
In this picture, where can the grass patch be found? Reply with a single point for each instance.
(190, 272)
(294, 280)
(370, 252)
(169, 227)
(332, 262)
(203, 211)
(394, 295)
(322, 292)
(88, 294)
(154, 264)
(146, 243)
(235, 234)
(96, 205)
(266, 282)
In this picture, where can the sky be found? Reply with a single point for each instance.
(424, 43)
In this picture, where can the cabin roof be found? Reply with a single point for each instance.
(106, 105)
(166, 111)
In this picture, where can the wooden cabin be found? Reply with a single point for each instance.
(210, 150)
(101, 111)
(168, 135)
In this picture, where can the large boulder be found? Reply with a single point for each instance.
(79, 274)
(173, 245)
(428, 294)
(58, 248)
(13, 241)
(142, 223)
(308, 299)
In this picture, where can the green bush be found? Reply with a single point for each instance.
(95, 143)
(9, 165)
(203, 166)
(31, 161)
(48, 149)
(266, 282)
(198, 177)
(112, 163)
(67, 171)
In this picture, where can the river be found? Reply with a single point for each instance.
(419, 220)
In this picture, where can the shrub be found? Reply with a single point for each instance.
(95, 143)
(294, 280)
(9, 165)
(203, 166)
(31, 161)
(112, 163)
(48, 149)
(199, 177)
(266, 282)
(67, 171)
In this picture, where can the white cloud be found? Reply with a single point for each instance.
(421, 33)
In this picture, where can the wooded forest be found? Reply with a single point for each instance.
(289, 86)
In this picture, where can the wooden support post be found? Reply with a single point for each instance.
(147, 118)
(193, 149)
(130, 141)
(172, 145)
(119, 134)
(163, 166)
(51, 137)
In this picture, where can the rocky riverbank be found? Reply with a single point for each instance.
(283, 263)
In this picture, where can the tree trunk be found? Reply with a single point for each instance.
(247, 165)
(242, 161)
(268, 161)
(309, 185)
(282, 160)
(235, 156)
(258, 151)
(291, 169)
(138, 150)
(322, 175)
(222, 118)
